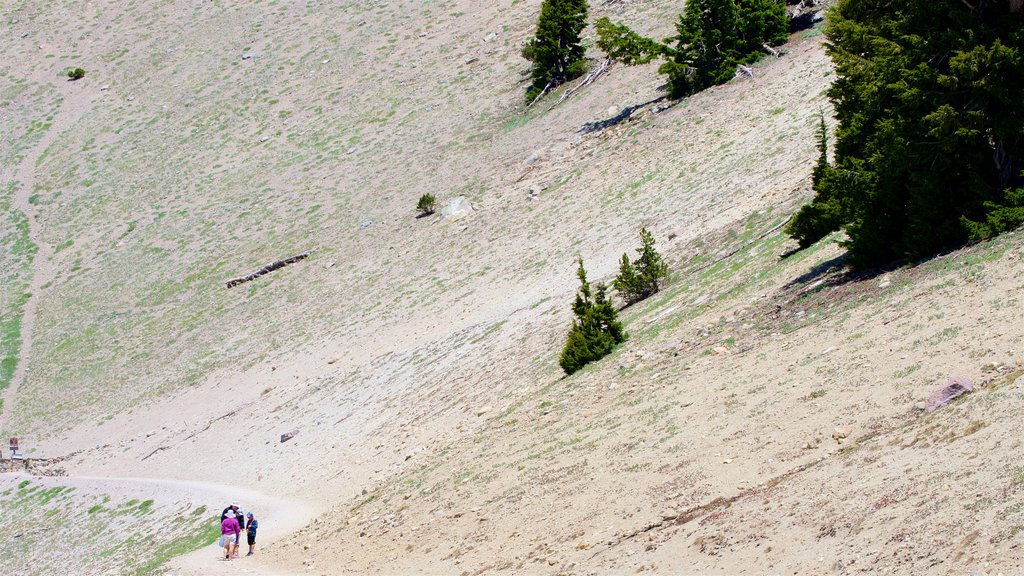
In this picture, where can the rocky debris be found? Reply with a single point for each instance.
(534, 192)
(812, 444)
(288, 436)
(993, 367)
(954, 388)
(456, 208)
(841, 433)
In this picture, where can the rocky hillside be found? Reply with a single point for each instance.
(761, 415)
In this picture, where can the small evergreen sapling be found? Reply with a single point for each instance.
(76, 73)
(595, 331)
(426, 205)
(642, 277)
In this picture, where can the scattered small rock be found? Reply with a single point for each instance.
(365, 224)
(484, 410)
(247, 56)
(955, 387)
(288, 436)
(841, 433)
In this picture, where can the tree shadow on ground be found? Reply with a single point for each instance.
(597, 126)
(835, 272)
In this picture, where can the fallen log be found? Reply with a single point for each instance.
(267, 269)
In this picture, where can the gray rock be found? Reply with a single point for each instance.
(288, 436)
(365, 224)
(456, 208)
(247, 56)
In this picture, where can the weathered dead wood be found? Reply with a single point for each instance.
(541, 95)
(160, 449)
(587, 81)
(743, 70)
(267, 269)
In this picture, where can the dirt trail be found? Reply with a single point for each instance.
(279, 517)
(77, 99)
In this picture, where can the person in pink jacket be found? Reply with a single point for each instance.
(229, 531)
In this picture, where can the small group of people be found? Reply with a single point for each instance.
(232, 523)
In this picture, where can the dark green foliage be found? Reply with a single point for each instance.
(761, 22)
(555, 50)
(623, 45)
(76, 74)
(426, 205)
(712, 38)
(824, 214)
(640, 278)
(930, 144)
(595, 331)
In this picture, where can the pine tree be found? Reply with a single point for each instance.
(595, 331)
(930, 146)
(641, 278)
(825, 214)
(712, 38)
(555, 50)
(706, 51)
(626, 280)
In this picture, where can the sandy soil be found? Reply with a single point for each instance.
(760, 419)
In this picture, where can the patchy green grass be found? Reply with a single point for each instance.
(97, 534)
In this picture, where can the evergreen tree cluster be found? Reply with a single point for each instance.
(595, 331)
(640, 278)
(712, 38)
(555, 50)
(929, 150)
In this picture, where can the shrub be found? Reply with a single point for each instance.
(595, 331)
(76, 74)
(641, 278)
(426, 205)
(555, 49)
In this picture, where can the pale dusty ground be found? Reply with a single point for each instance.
(417, 359)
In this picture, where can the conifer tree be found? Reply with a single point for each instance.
(555, 50)
(825, 214)
(929, 151)
(712, 38)
(641, 278)
(595, 331)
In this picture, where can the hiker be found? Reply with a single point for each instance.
(233, 507)
(240, 516)
(251, 525)
(229, 530)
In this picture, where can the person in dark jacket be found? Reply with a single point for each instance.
(233, 507)
(251, 525)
